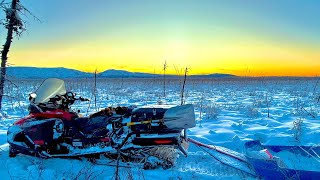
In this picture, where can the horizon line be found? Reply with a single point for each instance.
(243, 76)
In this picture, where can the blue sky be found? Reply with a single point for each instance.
(206, 35)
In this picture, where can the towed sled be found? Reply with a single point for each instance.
(269, 161)
(152, 135)
(284, 162)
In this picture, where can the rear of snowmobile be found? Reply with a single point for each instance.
(153, 134)
(53, 130)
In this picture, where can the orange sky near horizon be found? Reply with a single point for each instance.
(250, 59)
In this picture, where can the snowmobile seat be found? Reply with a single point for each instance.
(95, 126)
(81, 121)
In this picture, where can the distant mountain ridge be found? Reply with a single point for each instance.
(42, 73)
(60, 72)
(124, 74)
(215, 75)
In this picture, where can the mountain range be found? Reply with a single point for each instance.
(60, 72)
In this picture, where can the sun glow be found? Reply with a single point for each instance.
(249, 60)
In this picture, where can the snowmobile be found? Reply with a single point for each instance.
(153, 135)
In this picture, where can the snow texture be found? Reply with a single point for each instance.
(229, 112)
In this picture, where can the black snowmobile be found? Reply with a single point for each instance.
(52, 129)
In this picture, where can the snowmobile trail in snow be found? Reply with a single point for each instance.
(226, 157)
(200, 162)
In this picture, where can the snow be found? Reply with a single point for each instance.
(234, 111)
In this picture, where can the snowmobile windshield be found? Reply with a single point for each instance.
(49, 89)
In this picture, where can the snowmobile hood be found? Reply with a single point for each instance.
(48, 89)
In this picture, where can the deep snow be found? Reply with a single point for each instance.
(230, 112)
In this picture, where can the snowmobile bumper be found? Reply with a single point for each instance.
(28, 138)
(20, 143)
(174, 139)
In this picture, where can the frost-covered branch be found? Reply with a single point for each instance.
(13, 20)
(26, 12)
(2, 3)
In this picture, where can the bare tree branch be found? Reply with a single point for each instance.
(28, 12)
(2, 2)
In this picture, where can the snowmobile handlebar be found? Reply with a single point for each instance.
(68, 97)
(72, 97)
(64, 101)
(83, 99)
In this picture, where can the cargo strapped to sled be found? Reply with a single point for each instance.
(174, 118)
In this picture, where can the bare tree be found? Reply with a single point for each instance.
(184, 82)
(95, 89)
(13, 24)
(164, 78)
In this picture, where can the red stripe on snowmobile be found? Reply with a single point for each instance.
(21, 121)
(47, 115)
(105, 139)
(55, 114)
(39, 142)
(162, 141)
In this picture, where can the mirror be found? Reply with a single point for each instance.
(70, 94)
(33, 95)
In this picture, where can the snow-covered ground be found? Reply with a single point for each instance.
(229, 112)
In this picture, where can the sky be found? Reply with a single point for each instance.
(241, 37)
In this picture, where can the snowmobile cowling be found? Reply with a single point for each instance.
(53, 129)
